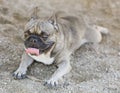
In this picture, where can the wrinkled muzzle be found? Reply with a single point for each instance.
(34, 41)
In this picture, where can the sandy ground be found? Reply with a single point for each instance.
(93, 72)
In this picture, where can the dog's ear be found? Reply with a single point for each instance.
(34, 14)
(32, 20)
(53, 21)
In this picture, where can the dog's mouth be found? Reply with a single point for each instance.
(47, 48)
(36, 51)
(35, 42)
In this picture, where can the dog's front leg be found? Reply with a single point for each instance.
(63, 68)
(20, 73)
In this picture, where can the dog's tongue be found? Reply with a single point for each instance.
(32, 51)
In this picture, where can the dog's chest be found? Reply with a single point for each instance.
(45, 59)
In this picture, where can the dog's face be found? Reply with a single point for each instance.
(40, 34)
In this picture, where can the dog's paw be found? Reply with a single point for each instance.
(51, 83)
(19, 74)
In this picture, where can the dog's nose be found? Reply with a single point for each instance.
(33, 40)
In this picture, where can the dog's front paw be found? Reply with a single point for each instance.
(51, 83)
(18, 74)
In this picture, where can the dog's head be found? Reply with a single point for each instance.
(40, 34)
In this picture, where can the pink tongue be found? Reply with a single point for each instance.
(33, 51)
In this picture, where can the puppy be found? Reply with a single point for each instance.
(56, 38)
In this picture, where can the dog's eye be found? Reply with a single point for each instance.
(44, 35)
(26, 33)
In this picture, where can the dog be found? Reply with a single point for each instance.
(56, 38)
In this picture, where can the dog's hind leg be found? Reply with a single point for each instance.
(101, 29)
(94, 33)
